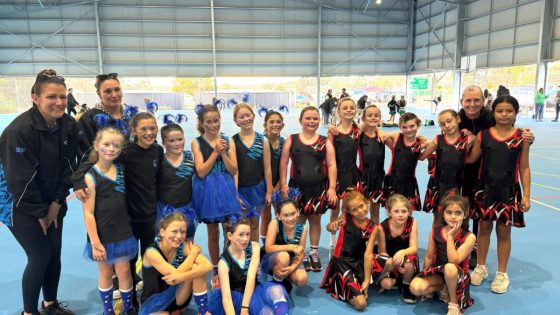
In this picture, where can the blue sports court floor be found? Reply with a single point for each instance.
(533, 267)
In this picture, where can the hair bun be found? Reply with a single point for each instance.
(47, 72)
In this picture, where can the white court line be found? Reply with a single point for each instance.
(545, 186)
(544, 204)
(545, 174)
(544, 157)
(548, 147)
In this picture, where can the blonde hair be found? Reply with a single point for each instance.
(240, 106)
(93, 155)
(397, 198)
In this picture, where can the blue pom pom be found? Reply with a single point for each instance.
(220, 103)
(262, 111)
(198, 108)
(283, 109)
(231, 102)
(293, 193)
(152, 107)
(181, 118)
(168, 119)
(130, 111)
(102, 120)
(245, 98)
(122, 126)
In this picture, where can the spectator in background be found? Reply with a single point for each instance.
(392, 108)
(557, 99)
(72, 103)
(489, 100)
(344, 94)
(362, 104)
(502, 91)
(540, 100)
(327, 106)
(401, 105)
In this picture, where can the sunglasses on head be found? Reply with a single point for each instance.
(107, 76)
(43, 77)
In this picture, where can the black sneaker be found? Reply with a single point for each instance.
(57, 308)
(472, 259)
(315, 261)
(408, 297)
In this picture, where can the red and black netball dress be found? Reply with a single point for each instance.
(345, 272)
(448, 169)
(440, 260)
(400, 242)
(308, 174)
(372, 161)
(346, 147)
(401, 178)
(498, 193)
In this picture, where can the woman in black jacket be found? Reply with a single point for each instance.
(37, 158)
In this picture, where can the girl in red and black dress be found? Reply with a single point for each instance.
(505, 163)
(346, 142)
(313, 172)
(446, 266)
(450, 149)
(371, 155)
(406, 147)
(352, 266)
(398, 239)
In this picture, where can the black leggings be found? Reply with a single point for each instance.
(43, 259)
(145, 233)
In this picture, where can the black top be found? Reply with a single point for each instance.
(237, 273)
(441, 247)
(174, 184)
(394, 244)
(283, 239)
(392, 104)
(352, 240)
(249, 160)
(111, 217)
(404, 159)
(90, 123)
(275, 155)
(484, 121)
(450, 162)
(206, 149)
(372, 158)
(500, 160)
(35, 164)
(346, 148)
(153, 282)
(141, 179)
(308, 161)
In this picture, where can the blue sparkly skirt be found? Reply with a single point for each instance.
(253, 197)
(215, 198)
(261, 301)
(186, 210)
(124, 250)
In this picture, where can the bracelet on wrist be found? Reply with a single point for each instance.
(243, 306)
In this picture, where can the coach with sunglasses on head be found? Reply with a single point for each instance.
(36, 159)
(108, 112)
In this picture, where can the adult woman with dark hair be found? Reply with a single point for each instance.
(110, 111)
(37, 157)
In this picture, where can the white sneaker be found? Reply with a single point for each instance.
(478, 275)
(453, 310)
(500, 283)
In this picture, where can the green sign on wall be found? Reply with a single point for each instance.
(419, 83)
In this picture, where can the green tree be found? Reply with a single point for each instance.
(192, 85)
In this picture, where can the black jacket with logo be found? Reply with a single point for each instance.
(36, 163)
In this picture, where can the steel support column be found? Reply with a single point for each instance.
(459, 48)
(98, 35)
(319, 22)
(214, 49)
(545, 43)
